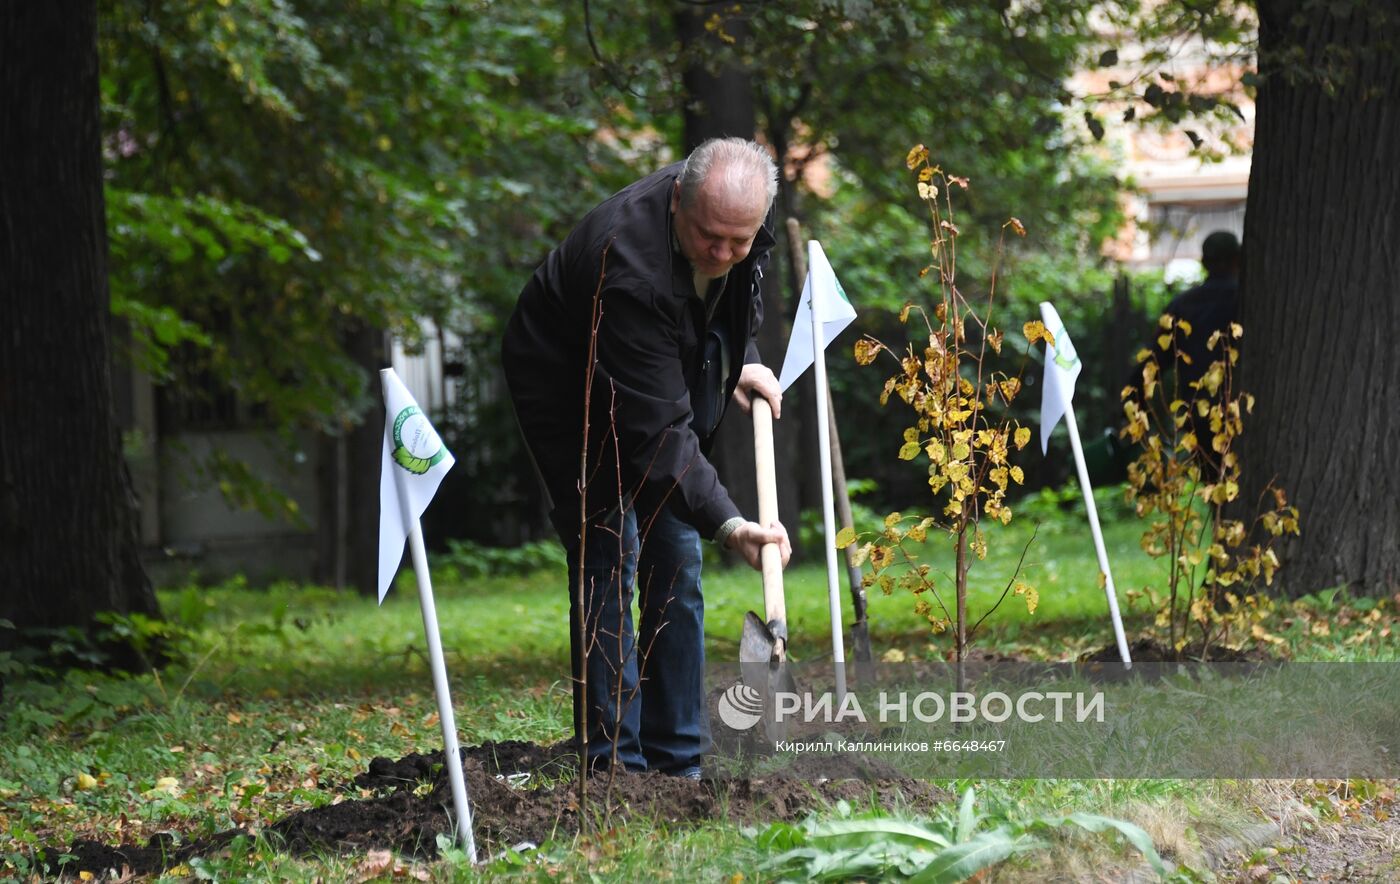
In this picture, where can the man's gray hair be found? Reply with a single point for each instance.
(742, 163)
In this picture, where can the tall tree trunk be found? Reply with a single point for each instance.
(720, 103)
(347, 524)
(364, 444)
(1320, 300)
(68, 543)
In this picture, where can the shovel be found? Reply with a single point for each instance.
(763, 644)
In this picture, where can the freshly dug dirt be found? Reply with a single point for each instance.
(1146, 650)
(410, 809)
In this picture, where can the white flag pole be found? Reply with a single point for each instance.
(1099, 548)
(396, 396)
(838, 649)
(452, 753)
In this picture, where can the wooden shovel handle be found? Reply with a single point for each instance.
(771, 557)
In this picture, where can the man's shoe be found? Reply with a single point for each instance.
(690, 773)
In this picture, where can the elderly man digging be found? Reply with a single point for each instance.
(674, 263)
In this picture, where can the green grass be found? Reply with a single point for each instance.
(287, 690)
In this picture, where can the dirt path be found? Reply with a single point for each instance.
(1360, 844)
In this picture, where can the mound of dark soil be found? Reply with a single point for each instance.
(1146, 650)
(412, 807)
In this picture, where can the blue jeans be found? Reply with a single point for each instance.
(645, 691)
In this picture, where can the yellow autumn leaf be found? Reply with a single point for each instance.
(86, 782)
(1023, 435)
(165, 786)
(1029, 593)
(1018, 475)
(1017, 226)
(909, 451)
(845, 537)
(917, 154)
(1035, 330)
(1261, 634)
(866, 349)
(1164, 341)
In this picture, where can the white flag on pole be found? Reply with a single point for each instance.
(415, 460)
(1062, 367)
(833, 309)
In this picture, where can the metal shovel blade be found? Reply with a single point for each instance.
(757, 644)
(762, 658)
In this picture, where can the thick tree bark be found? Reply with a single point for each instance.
(720, 103)
(1320, 300)
(68, 544)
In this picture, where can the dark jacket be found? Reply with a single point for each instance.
(662, 375)
(1209, 307)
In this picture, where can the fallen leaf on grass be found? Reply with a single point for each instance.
(375, 863)
(163, 787)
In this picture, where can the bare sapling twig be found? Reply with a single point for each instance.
(583, 591)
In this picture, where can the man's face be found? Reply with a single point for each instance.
(716, 230)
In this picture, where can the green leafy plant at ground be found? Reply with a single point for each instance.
(947, 847)
(1186, 480)
(465, 560)
(954, 391)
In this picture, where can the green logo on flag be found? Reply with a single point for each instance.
(417, 447)
(1065, 356)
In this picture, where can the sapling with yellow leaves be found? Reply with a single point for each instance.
(961, 427)
(1186, 478)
